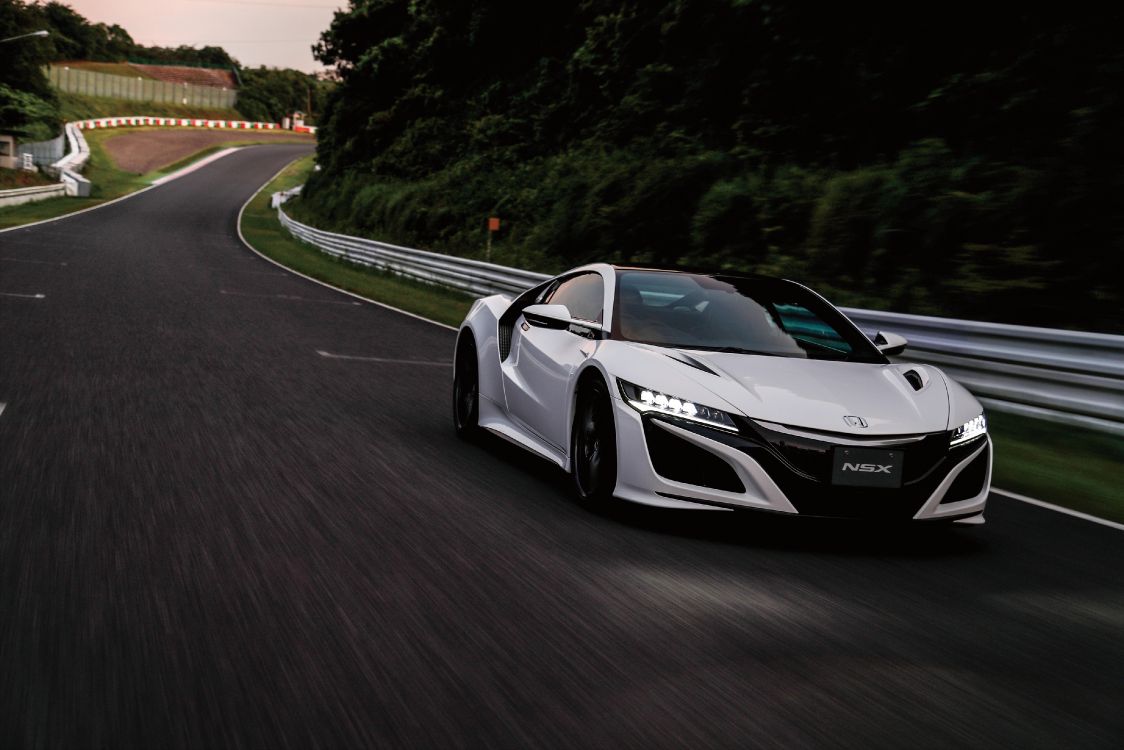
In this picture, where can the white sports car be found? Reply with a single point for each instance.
(691, 390)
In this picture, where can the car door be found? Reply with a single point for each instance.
(542, 362)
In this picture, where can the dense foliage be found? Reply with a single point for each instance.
(28, 106)
(269, 94)
(940, 163)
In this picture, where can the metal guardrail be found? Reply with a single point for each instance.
(471, 276)
(1068, 377)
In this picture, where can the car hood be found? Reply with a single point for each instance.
(818, 394)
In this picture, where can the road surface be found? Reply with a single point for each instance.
(211, 535)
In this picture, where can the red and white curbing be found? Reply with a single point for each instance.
(178, 122)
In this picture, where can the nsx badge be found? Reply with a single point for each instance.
(853, 421)
(870, 468)
(867, 467)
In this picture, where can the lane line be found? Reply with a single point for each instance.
(289, 297)
(368, 300)
(3, 406)
(23, 296)
(40, 262)
(196, 165)
(1059, 509)
(235, 270)
(329, 355)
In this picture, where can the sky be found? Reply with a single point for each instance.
(278, 33)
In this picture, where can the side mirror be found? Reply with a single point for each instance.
(890, 344)
(548, 316)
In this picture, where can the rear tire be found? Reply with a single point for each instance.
(593, 444)
(466, 388)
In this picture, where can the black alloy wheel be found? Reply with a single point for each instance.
(466, 388)
(594, 444)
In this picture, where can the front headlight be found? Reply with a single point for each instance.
(649, 400)
(970, 430)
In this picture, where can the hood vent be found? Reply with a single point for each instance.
(916, 379)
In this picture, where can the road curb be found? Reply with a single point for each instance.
(325, 284)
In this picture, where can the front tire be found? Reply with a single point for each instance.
(594, 444)
(466, 388)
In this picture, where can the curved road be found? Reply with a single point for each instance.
(213, 536)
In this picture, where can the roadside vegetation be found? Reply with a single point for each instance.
(932, 165)
(11, 179)
(1072, 467)
(77, 107)
(264, 232)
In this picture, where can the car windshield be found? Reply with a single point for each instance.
(733, 314)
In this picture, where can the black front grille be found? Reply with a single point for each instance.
(682, 461)
(802, 468)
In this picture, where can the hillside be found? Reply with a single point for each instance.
(77, 107)
(109, 68)
(189, 75)
(222, 78)
(921, 163)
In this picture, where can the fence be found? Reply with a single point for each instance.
(44, 152)
(92, 83)
(1069, 377)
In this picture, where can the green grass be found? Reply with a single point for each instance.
(1075, 468)
(11, 179)
(110, 68)
(107, 181)
(77, 107)
(262, 229)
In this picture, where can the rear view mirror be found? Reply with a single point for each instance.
(890, 344)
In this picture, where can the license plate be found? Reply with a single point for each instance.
(867, 467)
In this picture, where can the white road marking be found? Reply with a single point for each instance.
(235, 270)
(383, 360)
(23, 296)
(197, 165)
(39, 262)
(3, 406)
(1059, 509)
(290, 297)
(254, 250)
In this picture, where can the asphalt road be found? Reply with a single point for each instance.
(213, 536)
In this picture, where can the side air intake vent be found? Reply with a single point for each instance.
(505, 340)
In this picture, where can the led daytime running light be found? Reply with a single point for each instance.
(647, 400)
(970, 430)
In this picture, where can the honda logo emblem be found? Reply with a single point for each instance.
(853, 421)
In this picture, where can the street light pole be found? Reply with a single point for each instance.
(40, 33)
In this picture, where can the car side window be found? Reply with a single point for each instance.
(582, 295)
